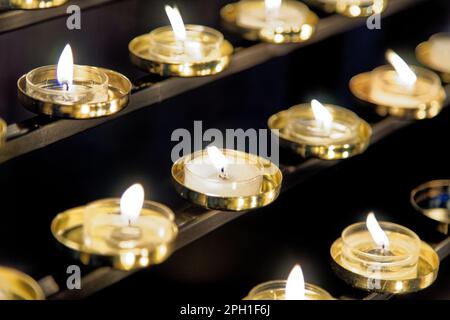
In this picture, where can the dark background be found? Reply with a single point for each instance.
(262, 245)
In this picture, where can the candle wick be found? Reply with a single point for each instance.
(66, 85)
(223, 174)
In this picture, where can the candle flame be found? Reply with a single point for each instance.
(295, 286)
(217, 158)
(378, 235)
(131, 202)
(64, 70)
(405, 74)
(272, 8)
(177, 22)
(273, 4)
(321, 114)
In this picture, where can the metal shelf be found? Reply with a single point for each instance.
(38, 132)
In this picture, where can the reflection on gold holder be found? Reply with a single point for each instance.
(68, 229)
(141, 57)
(427, 270)
(117, 96)
(432, 199)
(352, 8)
(30, 4)
(15, 285)
(360, 86)
(346, 148)
(423, 54)
(267, 192)
(301, 33)
(3, 132)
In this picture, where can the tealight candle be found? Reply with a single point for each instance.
(384, 257)
(15, 285)
(435, 54)
(30, 4)
(127, 224)
(270, 13)
(432, 199)
(440, 51)
(67, 83)
(355, 8)
(294, 288)
(128, 233)
(271, 20)
(223, 174)
(181, 50)
(73, 91)
(227, 179)
(380, 251)
(328, 132)
(3, 132)
(402, 86)
(400, 90)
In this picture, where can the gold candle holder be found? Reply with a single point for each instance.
(352, 8)
(400, 90)
(327, 132)
(30, 4)
(15, 285)
(435, 54)
(384, 258)
(292, 289)
(107, 232)
(181, 50)
(432, 199)
(3, 132)
(270, 21)
(73, 91)
(243, 182)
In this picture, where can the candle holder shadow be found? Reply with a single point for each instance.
(69, 230)
(341, 149)
(267, 191)
(30, 4)
(427, 270)
(352, 9)
(271, 34)
(15, 285)
(360, 85)
(432, 199)
(423, 54)
(34, 95)
(141, 48)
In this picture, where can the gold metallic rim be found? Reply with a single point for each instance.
(423, 55)
(30, 4)
(269, 191)
(360, 87)
(67, 228)
(3, 132)
(427, 270)
(119, 89)
(229, 15)
(347, 9)
(432, 188)
(144, 61)
(19, 285)
(327, 152)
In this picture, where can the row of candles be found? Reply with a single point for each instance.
(132, 232)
